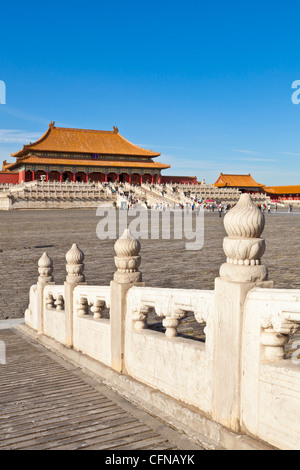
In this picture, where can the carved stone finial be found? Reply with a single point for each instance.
(245, 220)
(45, 268)
(127, 260)
(126, 245)
(243, 247)
(75, 265)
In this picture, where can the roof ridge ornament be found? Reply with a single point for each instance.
(116, 130)
(52, 124)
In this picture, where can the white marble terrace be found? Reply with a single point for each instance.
(64, 195)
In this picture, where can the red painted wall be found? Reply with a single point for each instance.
(21, 176)
(15, 178)
(9, 178)
(179, 179)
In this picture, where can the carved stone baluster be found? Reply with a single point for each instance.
(277, 328)
(139, 318)
(82, 306)
(97, 307)
(274, 344)
(49, 301)
(171, 323)
(59, 302)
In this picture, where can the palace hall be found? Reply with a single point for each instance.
(82, 155)
(245, 183)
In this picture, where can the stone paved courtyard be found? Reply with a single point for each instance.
(48, 404)
(25, 235)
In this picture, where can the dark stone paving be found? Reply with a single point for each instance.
(48, 404)
(25, 235)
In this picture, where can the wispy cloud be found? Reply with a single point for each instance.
(290, 153)
(254, 159)
(25, 116)
(8, 136)
(251, 152)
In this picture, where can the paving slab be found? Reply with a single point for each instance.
(48, 403)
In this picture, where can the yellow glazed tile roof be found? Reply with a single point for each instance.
(294, 189)
(35, 160)
(231, 180)
(60, 139)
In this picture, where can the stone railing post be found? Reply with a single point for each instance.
(127, 262)
(45, 268)
(242, 271)
(75, 276)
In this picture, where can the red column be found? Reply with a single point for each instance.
(47, 177)
(129, 179)
(159, 179)
(21, 176)
(74, 177)
(118, 178)
(87, 178)
(105, 178)
(141, 181)
(32, 175)
(60, 176)
(152, 179)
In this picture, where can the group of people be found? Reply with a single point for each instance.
(264, 207)
(196, 203)
(193, 206)
(267, 207)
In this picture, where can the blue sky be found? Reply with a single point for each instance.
(207, 84)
